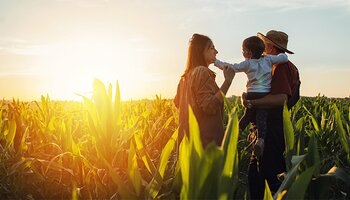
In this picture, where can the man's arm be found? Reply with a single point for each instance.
(270, 100)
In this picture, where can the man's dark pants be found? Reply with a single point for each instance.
(272, 162)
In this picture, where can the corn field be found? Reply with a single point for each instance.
(103, 148)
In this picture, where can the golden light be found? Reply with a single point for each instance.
(71, 66)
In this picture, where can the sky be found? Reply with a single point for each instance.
(58, 47)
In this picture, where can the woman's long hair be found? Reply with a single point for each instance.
(195, 55)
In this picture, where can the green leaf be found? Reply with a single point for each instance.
(228, 179)
(184, 160)
(23, 147)
(208, 172)
(195, 138)
(338, 173)
(196, 153)
(290, 176)
(323, 120)
(11, 133)
(267, 193)
(288, 136)
(227, 103)
(166, 152)
(298, 189)
(74, 191)
(133, 170)
(142, 152)
(313, 157)
(299, 126)
(324, 183)
(123, 189)
(117, 107)
(344, 138)
(301, 141)
(154, 187)
(313, 120)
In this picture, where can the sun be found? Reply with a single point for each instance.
(70, 66)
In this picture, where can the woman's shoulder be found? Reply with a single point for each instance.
(201, 69)
(203, 72)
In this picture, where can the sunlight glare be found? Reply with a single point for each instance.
(71, 66)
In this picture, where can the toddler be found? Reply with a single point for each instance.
(258, 68)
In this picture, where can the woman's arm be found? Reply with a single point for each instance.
(229, 74)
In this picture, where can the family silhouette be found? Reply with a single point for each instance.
(272, 81)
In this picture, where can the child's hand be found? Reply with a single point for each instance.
(225, 67)
(222, 67)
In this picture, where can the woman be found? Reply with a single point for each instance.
(197, 88)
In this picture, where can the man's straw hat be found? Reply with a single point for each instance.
(278, 38)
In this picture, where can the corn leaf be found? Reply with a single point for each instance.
(313, 157)
(298, 189)
(290, 176)
(344, 138)
(228, 179)
(154, 186)
(133, 170)
(288, 136)
(11, 133)
(267, 193)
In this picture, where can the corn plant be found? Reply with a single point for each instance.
(304, 175)
(210, 173)
(103, 148)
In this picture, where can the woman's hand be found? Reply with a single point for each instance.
(229, 73)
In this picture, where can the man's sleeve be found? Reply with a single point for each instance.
(280, 83)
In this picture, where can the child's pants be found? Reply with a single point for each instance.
(257, 116)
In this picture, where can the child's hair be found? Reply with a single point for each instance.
(255, 45)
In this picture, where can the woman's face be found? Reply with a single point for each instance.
(210, 53)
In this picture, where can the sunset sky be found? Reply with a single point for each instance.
(57, 47)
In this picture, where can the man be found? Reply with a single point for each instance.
(285, 80)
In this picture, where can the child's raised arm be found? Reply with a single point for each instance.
(219, 64)
(238, 67)
(280, 58)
